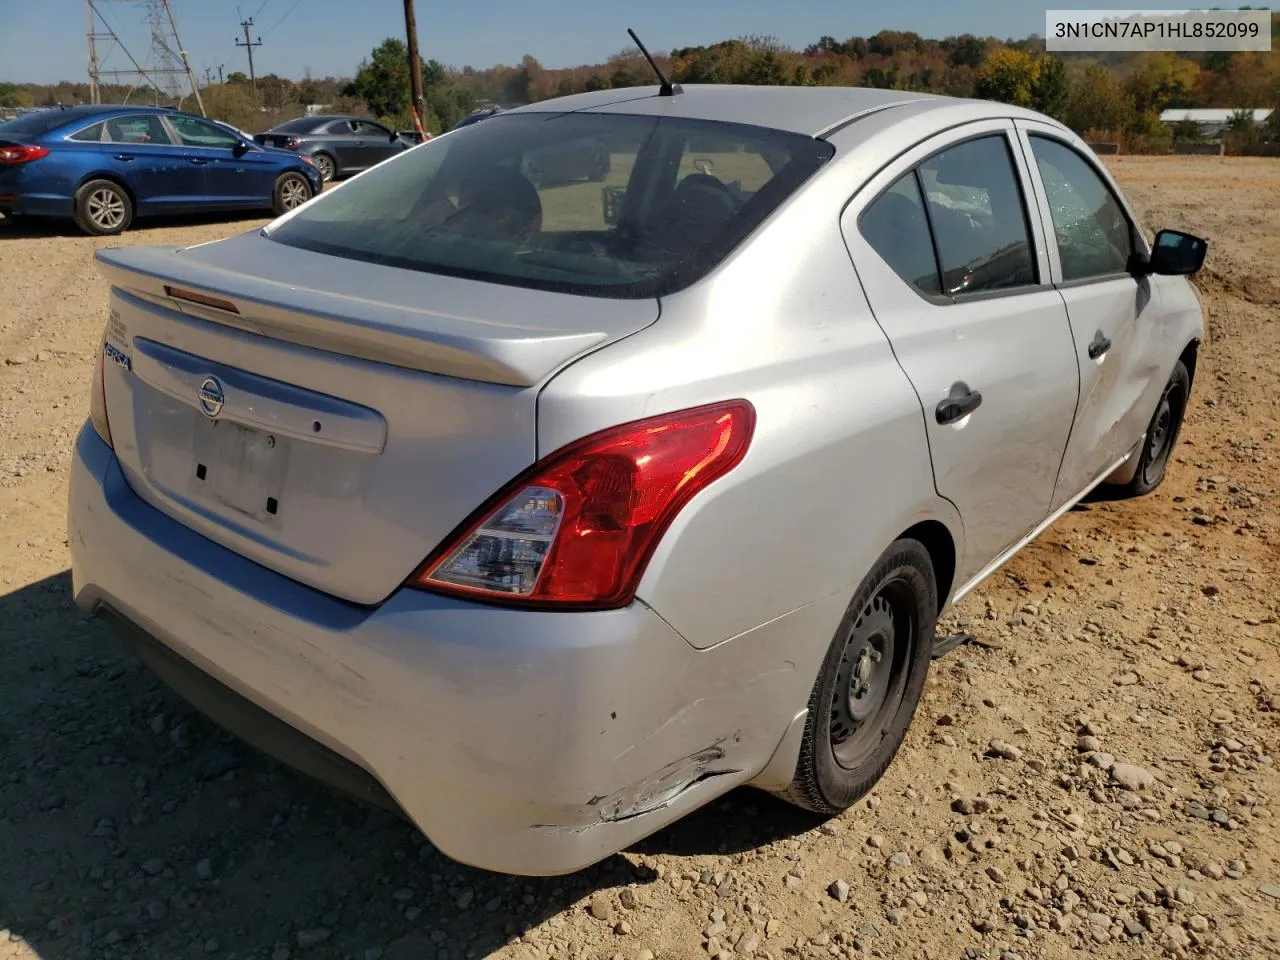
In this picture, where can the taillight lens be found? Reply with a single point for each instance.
(293, 143)
(577, 529)
(98, 395)
(21, 154)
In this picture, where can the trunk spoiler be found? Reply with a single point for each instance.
(274, 299)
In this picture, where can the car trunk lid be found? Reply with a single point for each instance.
(332, 420)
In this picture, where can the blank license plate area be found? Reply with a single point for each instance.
(239, 467)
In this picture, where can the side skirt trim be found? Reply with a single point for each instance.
(1008, 554)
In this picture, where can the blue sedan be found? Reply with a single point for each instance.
(104, 165)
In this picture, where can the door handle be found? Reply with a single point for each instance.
(359, 143)
(198, 161)
(1099, 346)
(957, 408)
(126, 157)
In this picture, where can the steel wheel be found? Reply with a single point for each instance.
(1162, 434)
(870, 679)
(106, 209)
(869, 683)
(324, 163)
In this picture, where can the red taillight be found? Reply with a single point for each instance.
(293, 143)
(20, 154)
(577, 529)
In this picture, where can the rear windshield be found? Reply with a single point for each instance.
(601, 204)
(39, 123)
(301, 125)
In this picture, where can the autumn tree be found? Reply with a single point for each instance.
(1097, 101)
(1007, 76)
(1160, 80)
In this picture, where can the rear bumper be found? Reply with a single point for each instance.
(529, 743)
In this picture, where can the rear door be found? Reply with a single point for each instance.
(954, 269)
(1115, 323)
(141, 152)
(233, 179)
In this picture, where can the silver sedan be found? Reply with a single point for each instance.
(548, 509)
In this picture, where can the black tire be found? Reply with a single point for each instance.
(1162, 434)
(844, 752)
(292, 190)
(103, 208)
(327, 166)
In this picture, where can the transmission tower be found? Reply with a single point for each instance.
(166, 69)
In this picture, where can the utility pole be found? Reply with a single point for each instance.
(92, 34)
(416, 98)
(249, 45)
(220, 80)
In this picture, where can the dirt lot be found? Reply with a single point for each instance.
(1145, 631)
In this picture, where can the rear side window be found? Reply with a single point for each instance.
(91, 134)
(978, 216)
(897, 228)
(600, 204)
(1093, 233)
(139, 129)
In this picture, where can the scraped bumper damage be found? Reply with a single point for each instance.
(529, 743)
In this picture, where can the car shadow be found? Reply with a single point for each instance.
(14, 228)
(131, 826)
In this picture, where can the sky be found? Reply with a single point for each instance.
(43, 41)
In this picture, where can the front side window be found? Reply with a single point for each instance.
(141, 129)
(896, 227)
(363, 128)
(198, 133)
(1093, 233)
(601, 204)
(978, 216)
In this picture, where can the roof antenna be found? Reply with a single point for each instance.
(668, 89)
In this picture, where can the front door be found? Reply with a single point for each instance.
(1116, 327)
(374, 142)
(235, 178)
(956, 274)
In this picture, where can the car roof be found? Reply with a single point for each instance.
(811, 111)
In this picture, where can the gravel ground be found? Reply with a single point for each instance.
(1094, 775)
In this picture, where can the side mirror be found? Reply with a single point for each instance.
(241, 148)
(1176, 254)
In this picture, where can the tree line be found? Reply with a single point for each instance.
(1115, 95)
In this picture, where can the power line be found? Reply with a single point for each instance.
(293, 6)
(257, 12)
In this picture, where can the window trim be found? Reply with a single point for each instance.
(1135, 234)
(1008, 134)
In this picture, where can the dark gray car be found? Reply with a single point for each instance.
(339, 145)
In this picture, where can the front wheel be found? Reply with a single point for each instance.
(291, 191)
(870, 682)
(103, 208)
(326, 165)
(1162, 433)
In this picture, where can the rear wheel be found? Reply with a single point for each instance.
(1162, 434)
(326, 165)
(870, 682)
(103, 208)
(291, 190)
